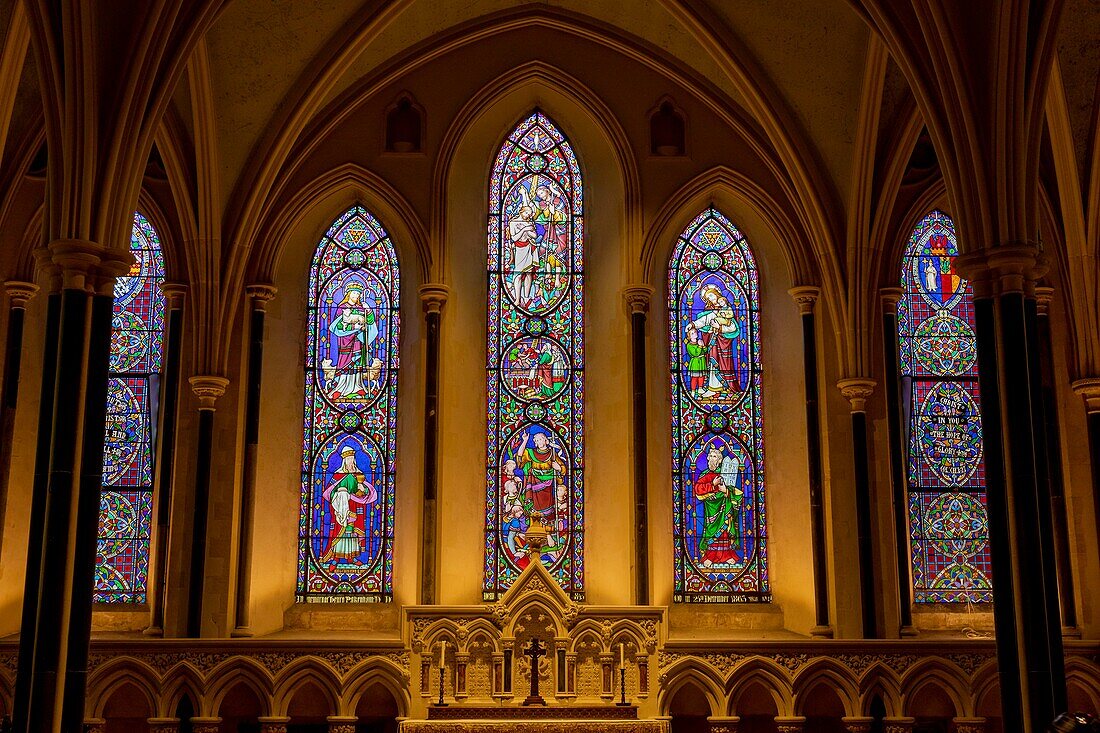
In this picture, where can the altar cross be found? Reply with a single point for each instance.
(534, 651)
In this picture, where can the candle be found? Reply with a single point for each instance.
(622, 655)
(442, 652)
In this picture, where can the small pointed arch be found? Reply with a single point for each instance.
(377, 672)
(306, 675)
(129, 467)
(587, 637)
(941, 405)
(879, 681)
(535, 362)
(350, 434)
(694, 674)
(933, 681)
(754, 675)
(719, 509)
(239, 671)
(832, 675)
(183, 683)
(127, 675)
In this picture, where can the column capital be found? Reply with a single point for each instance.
(890, 298)
(174, 293)
(805, 297)
(1089, 389)
(259, 294)
(898, 725)
(969, 725)
(341, 723)
(1009, 268)
(723, 723)
(433, 296)
(206, 724)
(94, 725)
(208, 388)
(273, 723)
(857, 390)
(857, 724)
(163, 725)
(1043, 295)
(638, 298)
(75, 259)
(19, 292)
(49, 271)
(790, 723)
(113, 264)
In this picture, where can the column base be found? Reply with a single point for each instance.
(242, 632)
(822, 632)
(153, 631)
(1071, 632)
(908, 631)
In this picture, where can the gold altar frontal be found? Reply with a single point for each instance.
(583, 719)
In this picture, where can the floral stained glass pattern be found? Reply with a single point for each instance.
(948, 524)
(719, 521)
(126, 501)
(345, 548)
(535, 363)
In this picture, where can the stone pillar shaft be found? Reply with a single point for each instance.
(1089, 389)
(857, 390)
(18, 294)
(637, 298)
(433, 296)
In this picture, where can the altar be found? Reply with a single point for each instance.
(534, 719)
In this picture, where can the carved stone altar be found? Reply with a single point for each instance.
(487, 676)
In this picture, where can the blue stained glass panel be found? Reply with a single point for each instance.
(948, 520)
(345, 548)
(137, 334)
(719, 514)
(535, 365)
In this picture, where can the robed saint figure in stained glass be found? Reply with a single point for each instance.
(535, 360)
(345, 550)
(719, 528)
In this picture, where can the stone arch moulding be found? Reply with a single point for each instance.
(382, 672)
(299, 672)
(880, 680)
(766, 673)
(832, 674)
(690, 672)
(886, 268)
(951, 680)
(239, 670)
(530, 74)
(105, 680)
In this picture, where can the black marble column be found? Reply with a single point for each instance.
(857, 390)
(19, 293)
(433, 296)
(258, 296)
(806, 298)
(899, 482)
(1055, 478)
(1089, 389)
(1032, 670)
(208, 389)
(166, 452)
(637, 300)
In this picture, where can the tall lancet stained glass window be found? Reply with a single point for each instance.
(345, 548)
(948, 524)
(719, 523)
(535, 358)
(126, 501)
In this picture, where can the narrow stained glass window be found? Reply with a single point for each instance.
(536, 358)
(719, 521)
(126, 502)
(948, 523)
(345, 548)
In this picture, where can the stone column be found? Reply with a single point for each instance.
(857, 390)
(1089, 389)
(898, 725)
(166, 444)
(857, 724)
(19, 293)
(341, 723)
(609, 677)
(205, 725)
(790, 723)
(806, 298)
(1055, 477)
(273, 723)
(95, 725)
(433, 296)
(637, 299)
(899, 452)
(164, 725)
(462, 659)
(1029, 640)
(208, 388)
(258, 296)
(723, 723)
(28, 628)
(969, 725)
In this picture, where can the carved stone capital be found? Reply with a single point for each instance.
(790, 723)
(76, 260)
(638, 298)
(19, 292)
(969, 725)
(1009, 268)
(1043, 295)
(273, 723)
(94, 725)
(342, 723)
(805, 297)
(890, 298)
(1089, 389)
(174, 293)
(113, 264)
(857, 390)
(44, 265)
(205, 725)
(724, 723)
(163, 725)
(898, 725)
(259, 294)
(208, 389)
(857, 725)
(433, 296)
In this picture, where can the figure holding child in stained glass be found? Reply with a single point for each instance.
(713, 351)
(353, 329)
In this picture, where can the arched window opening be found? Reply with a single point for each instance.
(126, 501)
(719, 521)
(345, 550)
(536, 358)
(948, 522)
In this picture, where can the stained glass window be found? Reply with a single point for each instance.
(719, 523)
(126, 501)
(948, 523)
(345, 548)
(536, 358)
